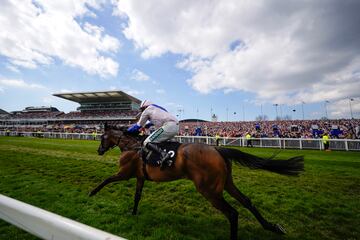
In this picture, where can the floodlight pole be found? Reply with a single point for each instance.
(181, 112)
(227, 114)
(325, 105)
(276, 105)
(302, 108)
(243, 110)
(197, 116)
(351, 112)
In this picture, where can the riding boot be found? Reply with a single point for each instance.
(164, 156)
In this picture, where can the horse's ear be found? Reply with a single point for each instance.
(106, 127)
(124, 129)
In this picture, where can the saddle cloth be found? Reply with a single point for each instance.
(153, 158)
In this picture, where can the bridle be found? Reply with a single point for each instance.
(126, 147)
(117, 143)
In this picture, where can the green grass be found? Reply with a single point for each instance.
(57, 175)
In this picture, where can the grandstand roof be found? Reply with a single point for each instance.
(90, 97)
(192, 120)
(40, 109)
(3, 111)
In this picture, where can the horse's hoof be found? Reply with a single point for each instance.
(91, 194)
(277, 228)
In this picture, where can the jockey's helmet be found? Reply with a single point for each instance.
(144, 104)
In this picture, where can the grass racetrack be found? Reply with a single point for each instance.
(56, 175)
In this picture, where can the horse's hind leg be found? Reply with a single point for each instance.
(246, 202)
(221, 204)
(118, 177)
(139, 187)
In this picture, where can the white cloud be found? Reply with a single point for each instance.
(131, 91)
(173, 105)
(134, 92)
(341, 108)
(19, 83)
(160, 91)
(139, 76)
(65, 91)
(12, 68)
(284, 52)
(37, 32)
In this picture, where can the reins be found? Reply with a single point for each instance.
(132, 146)
(138, 148)
(135, 146)
(117, 144)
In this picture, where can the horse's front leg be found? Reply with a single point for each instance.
(118, 177)
(139, 187)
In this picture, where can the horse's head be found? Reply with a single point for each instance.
(116, 136)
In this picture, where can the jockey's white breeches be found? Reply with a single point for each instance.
(164, 133)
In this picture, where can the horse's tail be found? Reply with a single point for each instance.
(292, 166)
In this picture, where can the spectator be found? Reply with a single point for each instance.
(94, 135)
(217, 138)
(325, 140)
(248, 140)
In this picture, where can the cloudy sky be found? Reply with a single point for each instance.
(234, 58)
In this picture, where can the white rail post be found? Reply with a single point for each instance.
(47, 225)
(346, 145)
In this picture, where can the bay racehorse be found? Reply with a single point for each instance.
(210, 168)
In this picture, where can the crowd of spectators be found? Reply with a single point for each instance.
(341, 128)
(98, 114)
(32, 115)
(81, 122)
(70, 115)
(63, 127)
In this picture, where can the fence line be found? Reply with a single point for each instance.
(285, 143)
(47, 225)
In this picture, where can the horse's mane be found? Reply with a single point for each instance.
(124, 130)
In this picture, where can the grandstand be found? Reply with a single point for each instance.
(95, 107)
(102, 101)
(3, 112)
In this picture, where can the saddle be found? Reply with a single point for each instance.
(152, 158)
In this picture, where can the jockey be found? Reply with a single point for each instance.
(166, 125)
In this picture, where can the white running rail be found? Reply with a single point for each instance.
(285, 143)
(47, 225)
